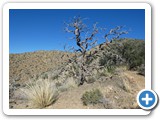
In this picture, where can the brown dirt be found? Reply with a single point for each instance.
(118, 97)
(113, 91)
(30, 65)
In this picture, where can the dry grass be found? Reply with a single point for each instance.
(65, 84)
(126, 85)
(42, 93)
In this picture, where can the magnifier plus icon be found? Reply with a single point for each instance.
(147, 99)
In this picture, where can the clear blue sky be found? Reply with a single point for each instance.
(32, 30)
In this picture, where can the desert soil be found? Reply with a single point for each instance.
(113, 89)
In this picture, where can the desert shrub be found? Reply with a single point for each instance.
(141, 70)
(42, 93)
(103, 73)
(90, 60)
(110, 61)
(112, 56)
(62, 88)
(54, 77)
(124, 52)
(134, 53)
(71, 82)
(90, 79)
(92, 97)
(45, 76)
(58, 84)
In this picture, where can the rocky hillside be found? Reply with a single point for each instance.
(113, 85)
(29, 65)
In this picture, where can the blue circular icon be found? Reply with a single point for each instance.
(147, 99)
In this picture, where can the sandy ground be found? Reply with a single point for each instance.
(112, 89)
(72, 99)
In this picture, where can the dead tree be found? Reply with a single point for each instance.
(77, 27)
(115, 32)
(85, 39)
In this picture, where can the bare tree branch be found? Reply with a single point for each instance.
(85, 41)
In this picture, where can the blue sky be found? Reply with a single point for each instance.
(32, 30)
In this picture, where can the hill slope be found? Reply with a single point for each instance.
(117, 81)
(27, 65)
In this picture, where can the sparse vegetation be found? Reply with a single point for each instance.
(41, 94)
(64, 77)
(45, 76)
(87, 51)
(126, 52)
(54, 77)
(92, 97)
(23, 66)
(86, 64)
(126, 86)
(141, 70)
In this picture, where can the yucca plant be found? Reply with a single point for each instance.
(42, 93)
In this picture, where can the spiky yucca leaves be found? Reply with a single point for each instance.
(42, 93)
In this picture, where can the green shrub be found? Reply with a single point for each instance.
(92, 97)
(127, 52)
(134, 53)
(110, 61)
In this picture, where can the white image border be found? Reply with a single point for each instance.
(8, 6)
